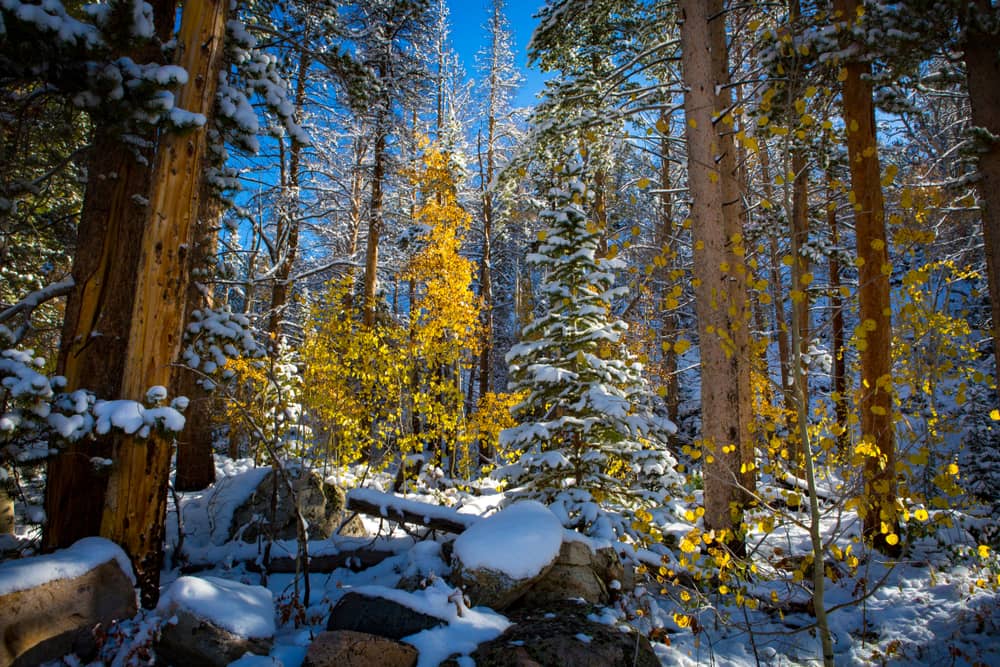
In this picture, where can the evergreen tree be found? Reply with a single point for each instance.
(586, 428)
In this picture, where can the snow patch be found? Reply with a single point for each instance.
(77, 560)
(518, 541)
(244, 610)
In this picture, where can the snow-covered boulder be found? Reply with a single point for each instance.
(50, 605)
(498, 559)
(382, 611)
(212, 622)
(346, 648)
(321, 504)
(561, 634)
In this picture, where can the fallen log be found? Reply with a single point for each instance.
(403, 510)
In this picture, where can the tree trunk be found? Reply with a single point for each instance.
(135, 506)
(720, 292)
(983, 71)
(665, 245)
(837, 327)
(878, 502)
(288, 246)
(195, 463)
(99, 309)
(374, 228)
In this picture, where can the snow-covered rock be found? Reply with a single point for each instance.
(498, 559)
(564, 635)
(321, 504)
(50, 605)
(581, 571)
(345, 648)
(211, 621)
(385, 612)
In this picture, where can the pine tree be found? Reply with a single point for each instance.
(586, 428)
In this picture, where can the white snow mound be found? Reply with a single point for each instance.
(242, 609)
(519, 541)
(83, 556)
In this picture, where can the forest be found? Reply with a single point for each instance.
(318, 348)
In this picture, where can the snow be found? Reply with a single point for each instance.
(385, 501)
(83, 556)
(244, 610)
(464, 628)
(519, 541)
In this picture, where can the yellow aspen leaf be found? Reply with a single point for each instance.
(693, 123)
(643, 183)
(842, 74)
(681, 346)
(892, 539)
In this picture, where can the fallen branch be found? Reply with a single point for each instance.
(393, 507)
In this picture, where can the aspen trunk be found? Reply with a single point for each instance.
(135, 506)
(99, 309)
(983, 71)
(878, 503)
(720, 291)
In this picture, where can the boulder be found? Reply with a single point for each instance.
(380, 615)
(563, 635)
(579, 572)
(51, 605)
(346, 648)
(498, 559)
(213, 622)
(321, 504)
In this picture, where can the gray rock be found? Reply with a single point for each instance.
(196, 641)
(59, 617)
(321, 504)
(345, 648)
(562, 635)
(378, 616)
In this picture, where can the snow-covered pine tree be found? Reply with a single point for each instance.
(589, 437)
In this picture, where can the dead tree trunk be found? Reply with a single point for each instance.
(99, 309)
(135, 505)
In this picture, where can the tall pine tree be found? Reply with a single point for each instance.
(588, 434)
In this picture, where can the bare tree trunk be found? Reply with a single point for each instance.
(195, 463)
(837, 328)
(777, 294)
(720, 292)
(878, 501)
(983, 72)
(665, 244)
(289, 244)
(374, 229)
(135, 505)
(99, 309)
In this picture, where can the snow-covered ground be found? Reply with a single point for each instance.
(937, 604)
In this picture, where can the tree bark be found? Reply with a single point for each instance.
(135, 505)
(99, 309)
(719, 270)
(288, 241)
(195, 463)
(983, 72)
(374, 228)
(878, 502)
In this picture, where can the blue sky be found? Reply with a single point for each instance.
(468, 36)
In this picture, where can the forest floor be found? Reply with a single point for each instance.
(938, 604)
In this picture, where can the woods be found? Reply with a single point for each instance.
(719, 291)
